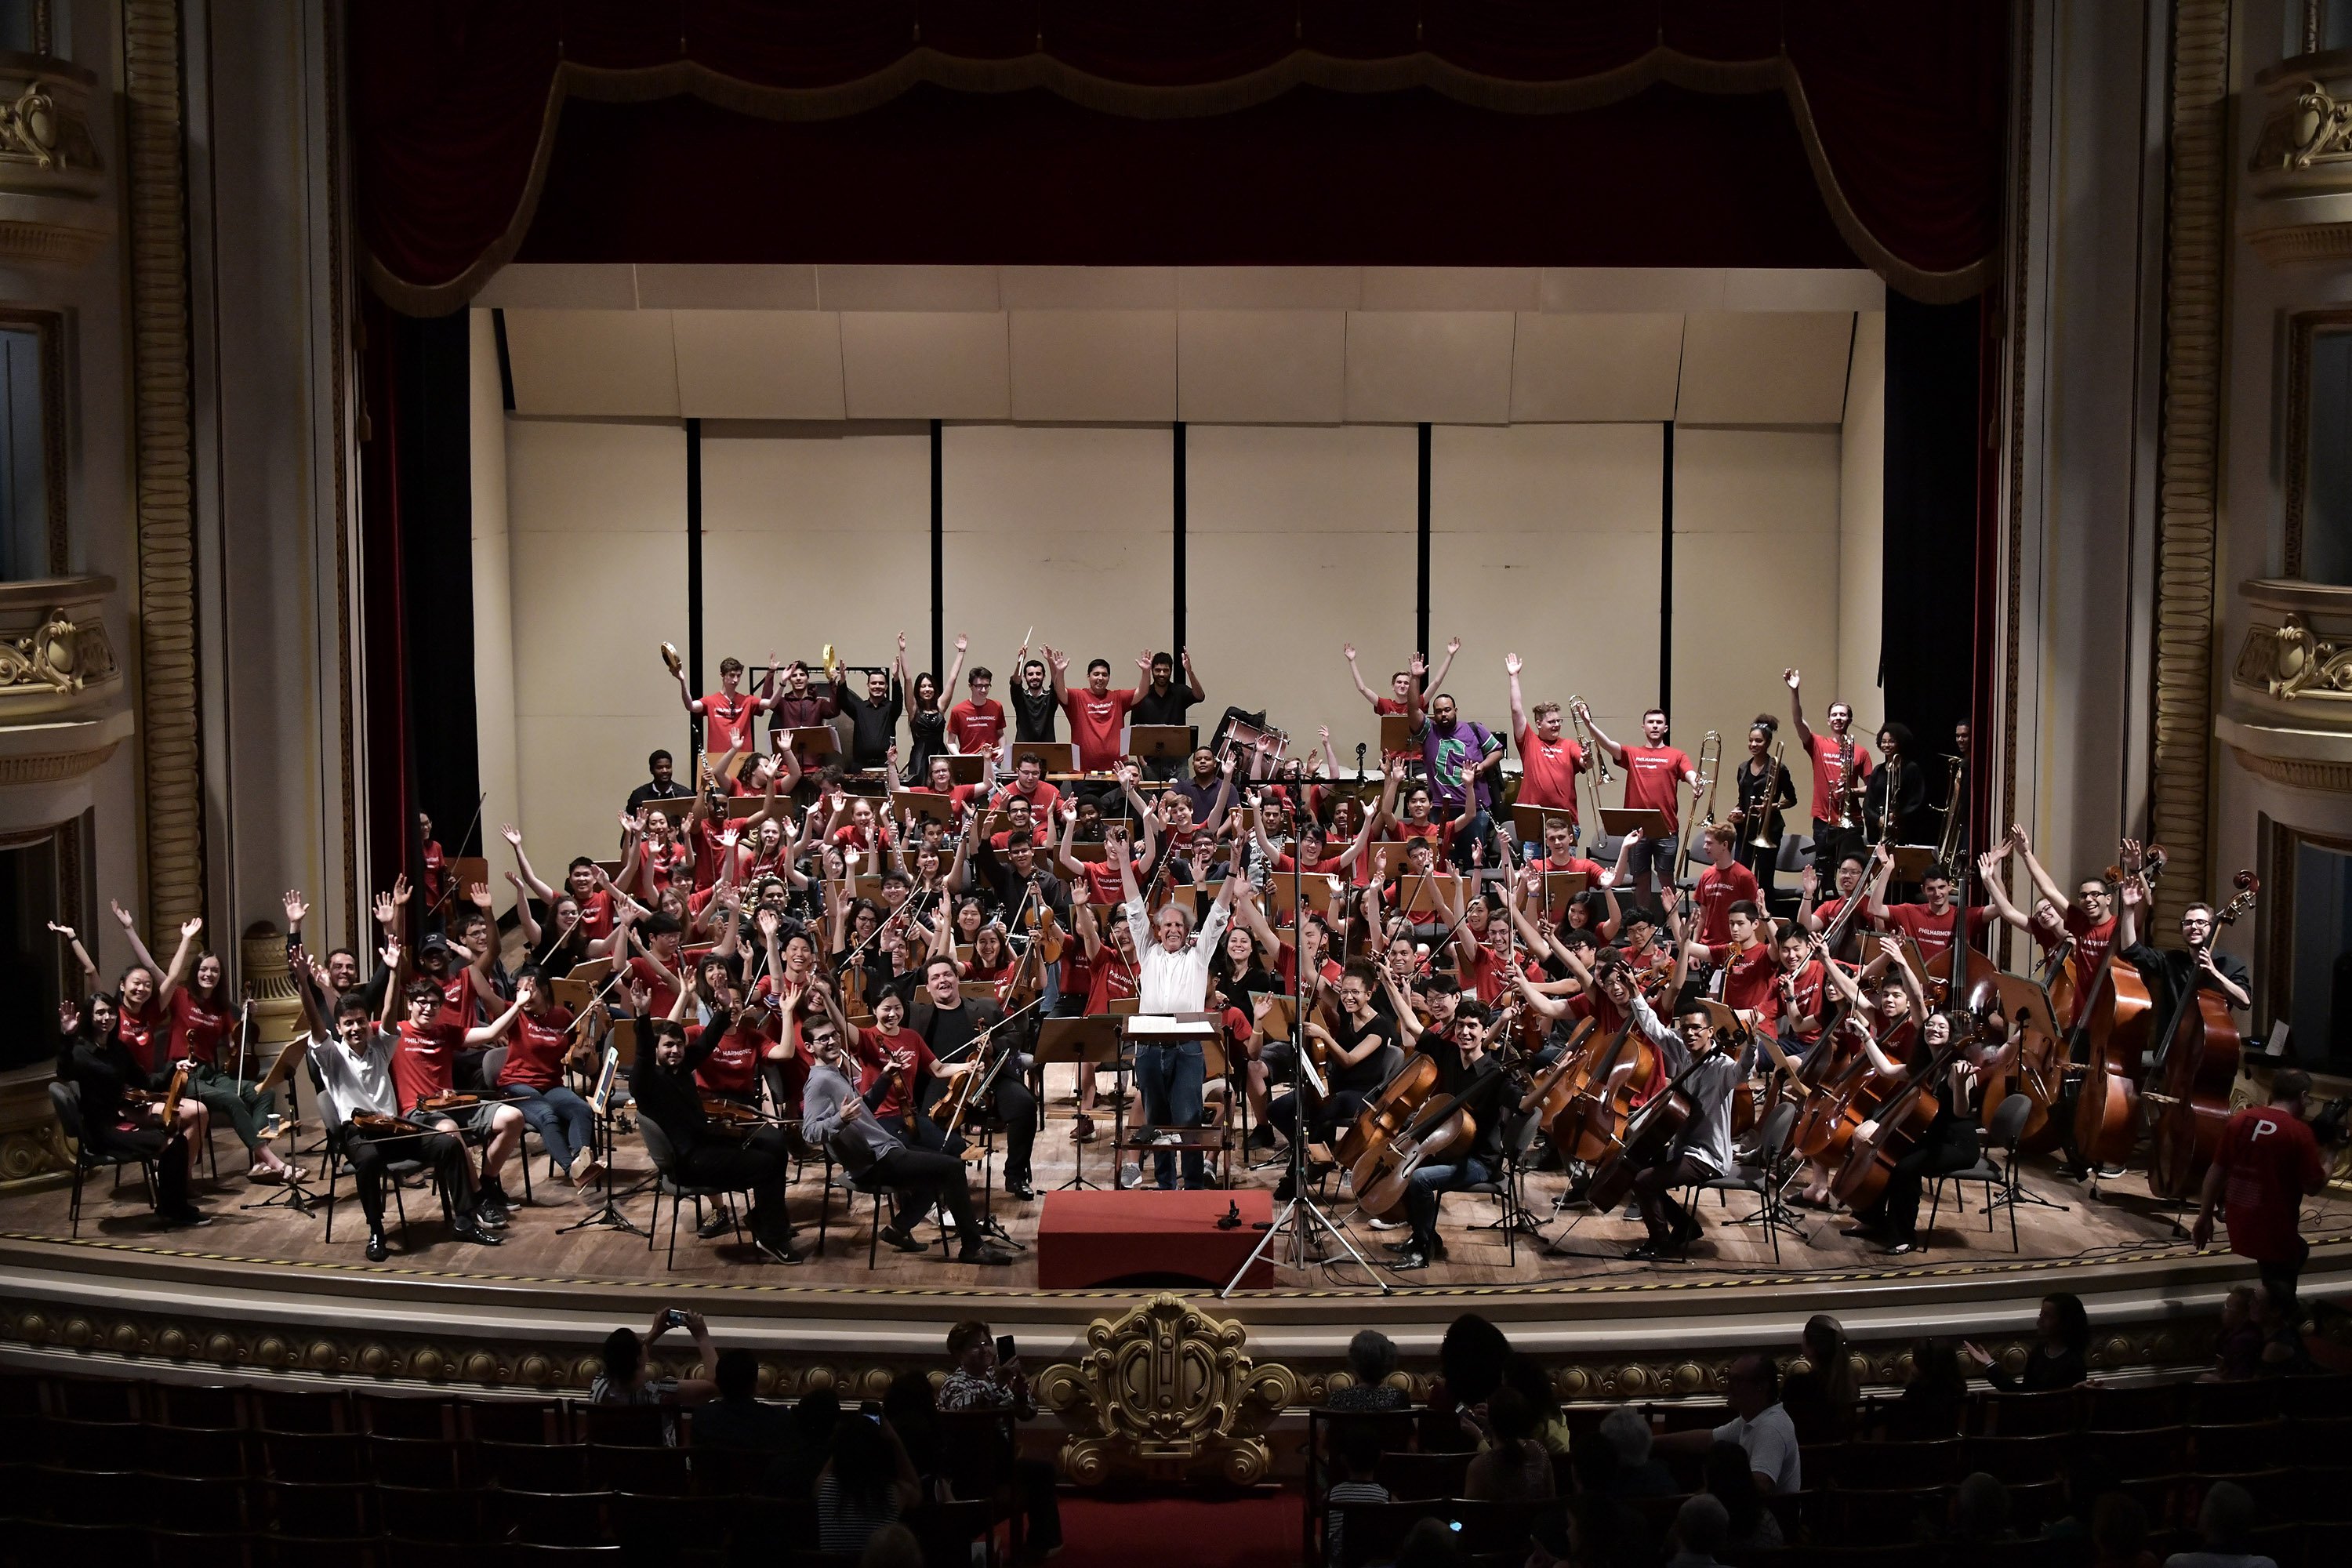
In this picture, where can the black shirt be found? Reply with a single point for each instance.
(950, 1031)
(873, 725)
(667, 1096)
(1368, 1074)
(1032, 717)
(1151, 708)
(652, 790)
(104, 1070)
(2173, 977)
(994, 879)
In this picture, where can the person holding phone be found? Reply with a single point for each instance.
(630, 1377)
(988, 1375)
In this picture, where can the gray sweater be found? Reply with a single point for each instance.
(859, 1141)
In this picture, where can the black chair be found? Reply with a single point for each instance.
(1518, 1142)
(664, 1155)
(1763, 1178)
(1997, 1176)
(65, 1101)
(440, 1462)
(534, 1466)
(866, 1185)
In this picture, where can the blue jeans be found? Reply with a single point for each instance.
(1420, 1194)
(1170, 1077)
(561, 1119)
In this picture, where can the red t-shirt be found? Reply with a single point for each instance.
(1113, 979)
(1042, 799)
(2091, 942)
(1810, 985)
(536, 1047)
(1827, 911)
(1286, 966)
(1751, 977)
(733, 1065)
(596, 914)
(456, 1013)
(662, 864)
(423, 1062)
(2269, 1160)
(726, 721)
(1549, 769)
(1095, 724)
(1825, 774)
(665, 994)
(198, 1032)
(1651, 775)
(1717, 890)
(976, 726)
(1933, 931)
(708, 853)
(435, 867)
(1487, 975)
(873, 1050)
(1103, 884)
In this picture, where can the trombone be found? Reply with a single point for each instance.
(1851, 802)
(1949, 846)
(1600, 760)
(1710, 763)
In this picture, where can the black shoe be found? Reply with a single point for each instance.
(1862, 1232)
(186, 1218)
(1285, 1189)
(465, 1228)
(492, 1205)
(1261, 1137)
(1643, 1252)
(1899, 1249)
(1414, 1258)
(778, 1252)
(488, 1218)
(376, 1251)
(1690, 1230)
(897, 1240)
(721, 1222)
(1021, 1192)
(987, 1256)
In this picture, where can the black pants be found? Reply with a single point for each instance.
(1950, 1143)
(1016, 1107)
(761, 1165)
(1338, 1109)
(1760, 862)
(453, 1172)
(1655, 1188)
(1039, 1503)
(170, 1153)
(1831, 844)
(919, 1178)
(2285, 1271)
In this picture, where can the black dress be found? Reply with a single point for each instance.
(928, 734)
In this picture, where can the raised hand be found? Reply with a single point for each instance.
(1790, 677)
(65, 931)
(1418, 667)
(400, 891)
(1810, 883)
(1511, 664)
(68, 1018)
(1058, 659)
(478, 895)
(190, 927)
(961, 642)
(1143, 662)
(121, 915)
(298, 907)
(1452, 647)
(385, 912)
(902, 644)
(1349, 649)
(512, 834)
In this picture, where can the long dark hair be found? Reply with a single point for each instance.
(1732, 1479)
(864, 1468)
(2073, 1320)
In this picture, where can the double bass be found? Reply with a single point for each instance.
(2109, 1040)
(2190, 1099)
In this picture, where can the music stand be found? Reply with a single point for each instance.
(1417, 894)
(1912, 861)
(1396, 736)
(966, 769)
(605, 1129)
(1635, 822)
(742, 805)
(922, 802)
(1530, 822)
(1053, 756)
(1090, 1043)
(812, 744)
(1161, 742)
(1561, 888)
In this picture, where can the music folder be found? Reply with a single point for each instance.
(1160, 742)
(1053, 756)
(1396, 734)
(1636, 822)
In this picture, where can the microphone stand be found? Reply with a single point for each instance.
(1302, 1223)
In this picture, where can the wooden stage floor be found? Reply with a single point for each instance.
(2120, 1222)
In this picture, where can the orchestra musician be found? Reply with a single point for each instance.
(1172, 977)
(1840, 772)
(1470, 1074)
(1954, 1139)
(1766, 793)
(661, 1081)
(116, 1118)
(953, 1028)
(1691, 1056)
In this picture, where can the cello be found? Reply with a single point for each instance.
(1648, 1136)
(1903, 1118)
(1599, 1115)
(2106, 1103)
(1549, 1092)
(2197, 1064)
(1379, 1177)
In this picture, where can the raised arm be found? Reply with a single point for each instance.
(1797, 712)
(1599, 736)
(529, 880)
(686, 695)
(1415, 698)
(1452, 647)
(1191, 676)
(1357, 675)
(1061, 855)
(81, 953)
(130, 925)
(1988, 872)
(1883, 862)
(1057, 665)
(955, 669)
(1518, 704)
(2042, 880)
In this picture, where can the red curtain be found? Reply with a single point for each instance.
(1478, 132)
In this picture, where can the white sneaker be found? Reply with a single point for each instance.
(1130, 1174)
(1379, 1223)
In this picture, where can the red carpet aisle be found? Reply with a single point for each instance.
(1257, 1531)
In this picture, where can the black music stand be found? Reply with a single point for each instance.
(1089, 1042)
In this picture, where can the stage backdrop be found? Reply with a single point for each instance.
(1277, 542)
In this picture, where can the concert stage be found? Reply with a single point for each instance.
(259, 1293)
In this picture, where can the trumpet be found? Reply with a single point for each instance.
(1772, 803)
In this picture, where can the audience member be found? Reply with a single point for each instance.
(2238, 1354)
(980, 1382)
(793, 1473)
(1639, 1473)
(1823, 1399)
(1371, 1360)
(867, 1482)
(1730, 1482)
(1515, 1465)
(2060, 1356)
(1470, 1362)
(737, 1419)
(1979, 1513)
(1524, 1374)
(2225, 1521)
(1355, 1458)
(2119, 1533)
(913, 1412)
(1933, 1395)
(2280, 1318)
(1759, 1425)
(2086, 1476)
(1701, 1527)
(630, 1377)
(1431, 1543)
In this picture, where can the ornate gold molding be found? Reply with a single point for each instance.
(166, 513)
(1166, 1389)
(54, 767)
(2288, 243)
(2189, 444)
(2287, 661)
(2296, 773)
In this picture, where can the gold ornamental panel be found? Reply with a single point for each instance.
(1165, 1389)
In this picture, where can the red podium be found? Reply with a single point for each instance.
(1091, 1238)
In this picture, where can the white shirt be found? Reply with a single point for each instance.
(1771, 1441)
(354, 1084)
(1173, 982)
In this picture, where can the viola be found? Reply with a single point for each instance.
(2196, 1067)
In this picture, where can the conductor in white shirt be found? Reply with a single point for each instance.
(1173, 978)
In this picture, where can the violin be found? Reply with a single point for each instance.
(2111, 1038)
(2196, 1067)
(728, 1118)
(382, 1126)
